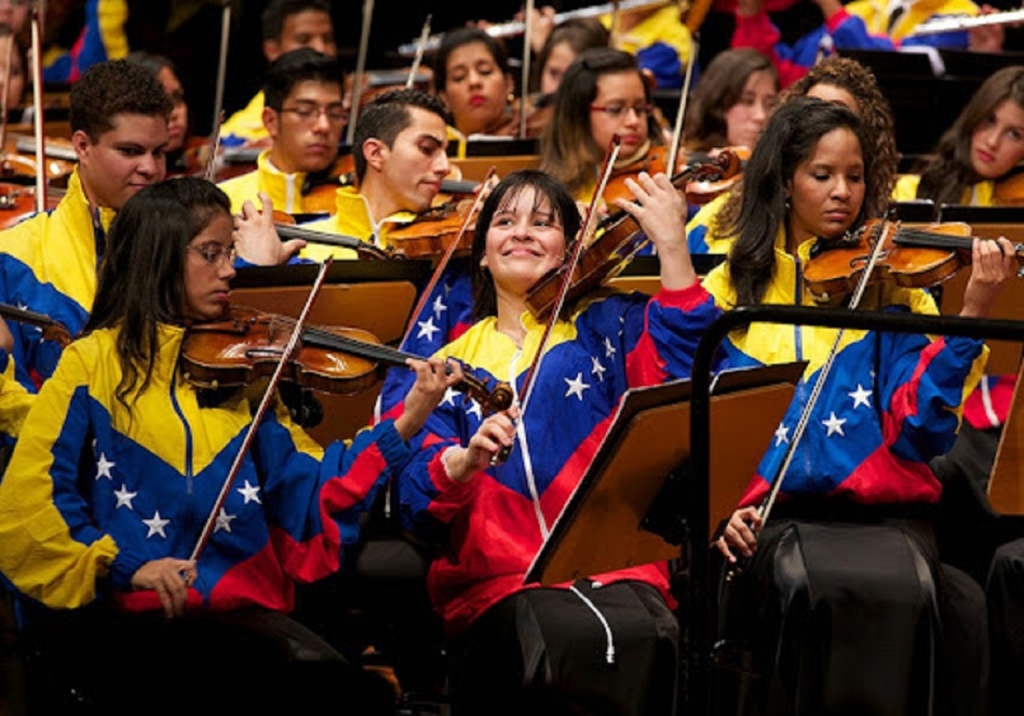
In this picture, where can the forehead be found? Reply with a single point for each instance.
(305, 23)
(168, 79)
(834, 93)
(837, 147)
(144, 129)
(759, 81)
(620, 84)
(1009, 112)
(524, 198)
(315, 91)
(470, 53)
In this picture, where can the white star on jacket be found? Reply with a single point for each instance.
(156, 525)
(124, 498)
(597, 368)
(781, 435)
(427, 329)
(576, 386)
(439, 306)
(103, 467)
(474, 409)
(861, 396)
(834, 425)
(223, 521)
(449, 396)
(250, 493)
(609, 349)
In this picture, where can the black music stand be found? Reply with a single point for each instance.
(627, 510)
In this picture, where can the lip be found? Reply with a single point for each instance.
(477, 100)
(985, 156)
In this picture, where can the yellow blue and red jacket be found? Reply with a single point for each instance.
(891, 402)
(284, 190)
(48, 265)
(93, 492)
(876, 17)
(981, 193)
(661, 43)
(102, 38)
(493, 525)
(246, 125)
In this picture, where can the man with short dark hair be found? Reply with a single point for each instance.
(48, 262)
(287, 25)
(304, 117)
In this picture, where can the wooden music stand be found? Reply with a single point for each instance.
(1006, 484)
(606, 523)
(371, 295)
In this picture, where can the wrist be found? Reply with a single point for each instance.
(453, 460)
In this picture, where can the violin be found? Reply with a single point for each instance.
(700, 190)
(1009, 191)
(618, 238)
(287, 229)
(654, 161)
(248, 344)
(431, 232)
(52, 330)
(910, 258)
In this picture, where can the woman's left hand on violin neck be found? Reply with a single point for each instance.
(992, 264)
(660, 210)
(434, 377)
(256, 239)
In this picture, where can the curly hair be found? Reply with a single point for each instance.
(875, 117)
(111, 88)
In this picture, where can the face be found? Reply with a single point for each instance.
(525, 241)
(177, 123)
(475, 89)
(122, 160)
(14, 13)
(209, 268)
(307, 128)
(559, 59)
(997, 143)
(745, 119)
(305, 29)
(621, 95)
(827, 190)
(834, 93)
(16, 79)
(411, 170)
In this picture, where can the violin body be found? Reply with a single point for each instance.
(909, 258)
(248, 344)
(431, 233)
(653, 162)
(1010, 191)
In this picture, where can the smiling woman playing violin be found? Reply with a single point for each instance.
(857, 490)
(123, 463)
(496, 516)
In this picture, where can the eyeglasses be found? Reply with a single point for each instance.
(310, 112)
(617, 110)
(212, 252)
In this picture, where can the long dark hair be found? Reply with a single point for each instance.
(562, 205)
(141, 281)
(875, 118)
(788, 140)
(720, 88)
(945, 178)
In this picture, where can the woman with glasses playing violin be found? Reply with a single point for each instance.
(121, 463)
(601, 95)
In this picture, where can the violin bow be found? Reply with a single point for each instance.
(525, 73)
(764, 510)
(268, 395)
(37, 102)
(563, 289)
(357, 82)
(3, 99)
(485, 188)
(222, 64)
(420, 46)
(684, 96)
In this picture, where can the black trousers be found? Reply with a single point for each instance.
(99, 660)
(838, 618)
(549, 651)
(1005, 590)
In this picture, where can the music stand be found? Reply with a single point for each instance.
(608, 522)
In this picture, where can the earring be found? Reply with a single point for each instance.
(511, 97)
(786, 203)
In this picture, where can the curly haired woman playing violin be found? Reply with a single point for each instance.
(121, 463)
(852, 518)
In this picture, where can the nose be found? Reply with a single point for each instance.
(442, 165)
(760, 113)
(318, 44)
(322, 123)
(842, 189)
(149, 165)
(226, 269)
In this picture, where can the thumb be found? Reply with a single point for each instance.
(293, 246)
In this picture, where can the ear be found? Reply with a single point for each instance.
(375, 152)
(270, 121)
(271, 50)
(81, 143)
